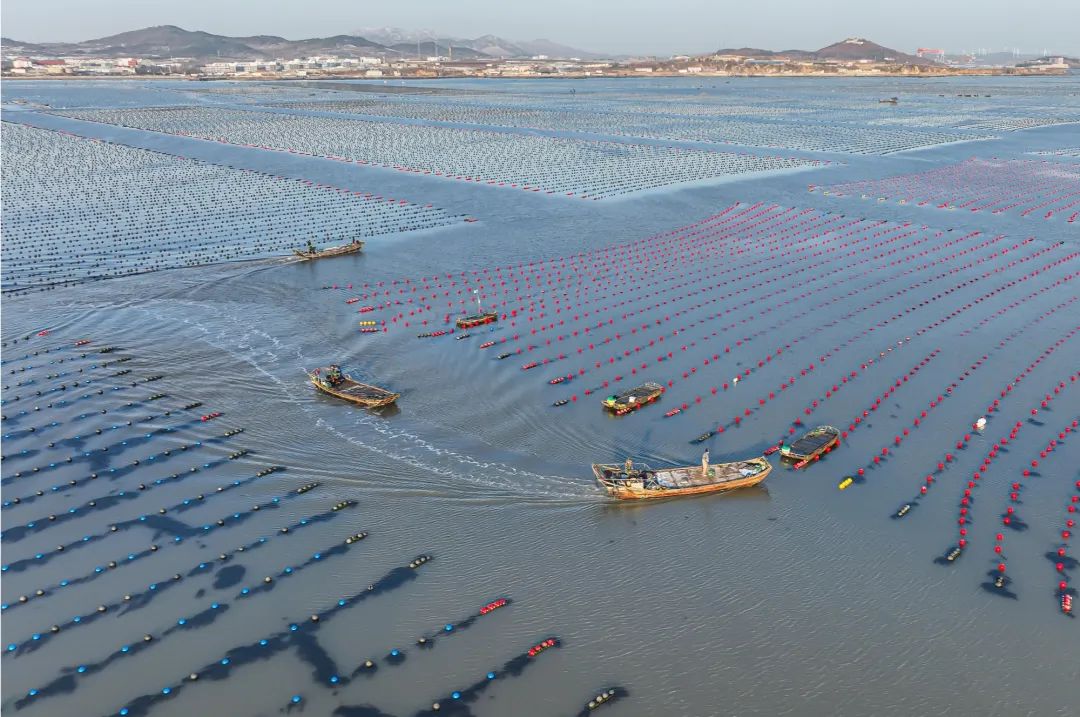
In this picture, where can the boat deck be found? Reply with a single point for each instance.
(362, 391)
(692, 477)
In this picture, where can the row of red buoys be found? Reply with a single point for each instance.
(964, 375)
(1010, 519)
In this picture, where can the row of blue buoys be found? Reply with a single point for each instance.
(297, 633)
(227, 521)
(113, 473)
(207, 616)
(23, 432)
(108, 501)
(396, 656)
(138, 600)
(459, 699)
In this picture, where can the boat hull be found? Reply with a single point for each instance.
(692, 482)
(332, 251)
(790, 454)
(468, 322)
(643, 395)
(363, 394)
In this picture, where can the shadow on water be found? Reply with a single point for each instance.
(295, 636)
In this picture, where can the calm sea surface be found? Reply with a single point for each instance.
(792, 598)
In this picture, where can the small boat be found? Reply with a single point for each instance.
(468, 322)
(636, 481)
(313, 253)
(633, 399)
(811, 445)
(342, 385)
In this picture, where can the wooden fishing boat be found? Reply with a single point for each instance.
(811, 444)
(468, 322)
(642, 482)
(332, 381)
(351, 248)
(633, 399)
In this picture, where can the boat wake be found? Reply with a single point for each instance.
(437, 468)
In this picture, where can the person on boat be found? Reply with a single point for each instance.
(705, 464)
(311, 247)
(333, 375)
(629, 466)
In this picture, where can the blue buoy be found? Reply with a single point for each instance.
(296, 699)
(264, 643)
(491, 675)
(449, 628)
(456, 695)
(334, 679)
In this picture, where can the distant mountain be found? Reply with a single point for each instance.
(489, 45)
(171, 41)
(852, 49)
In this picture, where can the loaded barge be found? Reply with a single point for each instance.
(633, 399)
(811, 445)
(636, 481)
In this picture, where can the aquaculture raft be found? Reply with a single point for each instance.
(342, 250)
(633, 399)
(467, 322)
(811, 445)
(354, 391)
(641, 482)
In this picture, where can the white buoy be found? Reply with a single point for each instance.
(981, 423)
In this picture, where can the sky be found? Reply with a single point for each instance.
(638, 27)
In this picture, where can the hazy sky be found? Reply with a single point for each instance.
(616, 26)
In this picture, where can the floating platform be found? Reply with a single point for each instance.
(468, 322)
(641, 482)
(811, 445)
(633, 399)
